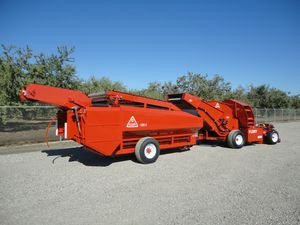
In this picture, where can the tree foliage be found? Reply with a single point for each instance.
(265, 97)
(20, 66)
(200, 85)
(94, 85)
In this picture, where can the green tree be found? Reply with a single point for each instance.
(263, 96)
(199, 85)
(19, 67)
(295, 101)
(278, 99)
(153, 90)
(94, 85)
(169, 88)
(14, 65)
(259, 96)
(56, 70)
(240, 94)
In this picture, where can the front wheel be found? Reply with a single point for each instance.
(236, 139)
(147, 150)
(272, 137)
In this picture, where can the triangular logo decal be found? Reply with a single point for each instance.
(217, 105)
(132, 123)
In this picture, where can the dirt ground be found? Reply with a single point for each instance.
(26, 136)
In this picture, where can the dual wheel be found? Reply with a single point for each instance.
(236, 138)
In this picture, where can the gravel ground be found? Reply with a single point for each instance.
(259, 184)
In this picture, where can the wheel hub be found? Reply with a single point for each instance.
(150, 151)
(274, 137)
(239, 140)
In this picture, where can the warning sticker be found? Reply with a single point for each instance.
(217, 105)
(132, 123)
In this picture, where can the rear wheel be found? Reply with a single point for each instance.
(236, 139)
(147, 150)
(272, 137)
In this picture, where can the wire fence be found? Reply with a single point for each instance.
(26, 114)
(276, 115)
(23, 124)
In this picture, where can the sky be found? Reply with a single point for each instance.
(137, 42)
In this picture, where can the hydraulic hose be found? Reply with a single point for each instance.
(48, 127)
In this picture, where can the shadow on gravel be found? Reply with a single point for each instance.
(88, 158)
(221, 144)
(212, 143)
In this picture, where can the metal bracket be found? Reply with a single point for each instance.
(74, 108)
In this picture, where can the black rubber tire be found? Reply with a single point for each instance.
(232, 141)
(140, 150)
(270, 139)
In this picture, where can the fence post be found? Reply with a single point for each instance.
(266, 114)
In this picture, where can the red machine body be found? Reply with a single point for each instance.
(220, 118)
(117, 123)
(112, 124)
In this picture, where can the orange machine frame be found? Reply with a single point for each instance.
(113, 123)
